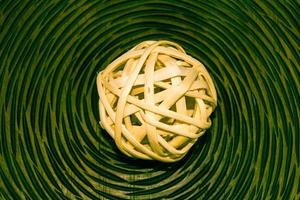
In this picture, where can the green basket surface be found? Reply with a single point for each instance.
(51, 143)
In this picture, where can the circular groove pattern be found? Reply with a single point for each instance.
(52, 147)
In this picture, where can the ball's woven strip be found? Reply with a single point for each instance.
(155, 101)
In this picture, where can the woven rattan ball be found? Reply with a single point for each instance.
(155, 101)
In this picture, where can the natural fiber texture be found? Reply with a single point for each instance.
(155, 101)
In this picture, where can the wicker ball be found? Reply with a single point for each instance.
(155, 101)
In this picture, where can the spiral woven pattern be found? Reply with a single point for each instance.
(51, 143)
(163, 96)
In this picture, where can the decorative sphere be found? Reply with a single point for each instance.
(156, 101)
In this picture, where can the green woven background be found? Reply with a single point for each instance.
(52, 147)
